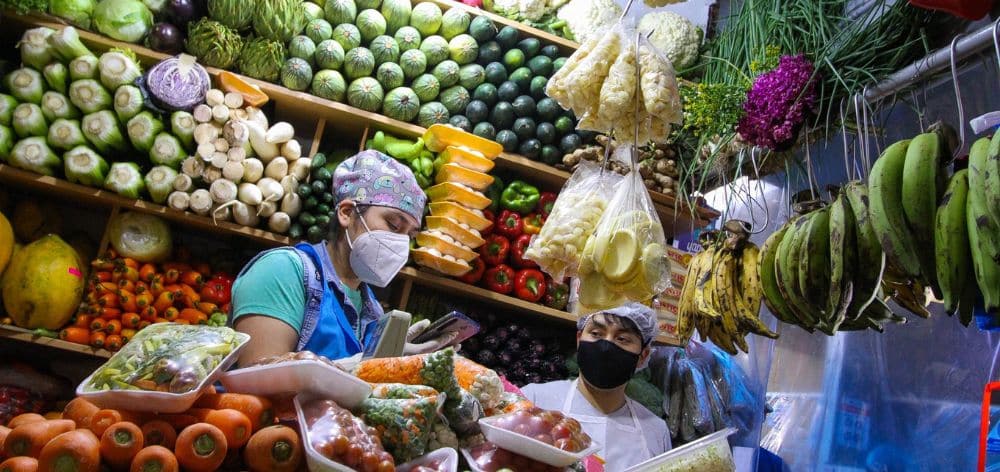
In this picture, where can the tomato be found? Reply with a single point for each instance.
(523, 429)
(386, 466)
(353, 457)
(544, 437)
(572, 424)
(561, 431)
(540, 425)
(369, 462)
(340, 444)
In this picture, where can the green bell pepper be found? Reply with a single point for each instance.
(403, 149)
(423, 170)
(520, 196)
(495, 192)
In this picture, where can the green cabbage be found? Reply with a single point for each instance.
(76, 12)
(124, 20)
(145, 238)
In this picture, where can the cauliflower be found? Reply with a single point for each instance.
(678, 38)
(533, 10)
(505, 8)
(589, 18)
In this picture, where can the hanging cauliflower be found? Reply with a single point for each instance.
(588, 19)
(674, 35)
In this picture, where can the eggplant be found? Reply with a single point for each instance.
(471, 345)
(515, 345)
(487, 358)
(182, 12)
(491, 342)
(536, 378)
(165, 37)
(502, 333)
(507, 357)
(538, 348)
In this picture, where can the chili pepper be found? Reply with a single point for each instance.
(556, 295)
(108, 313)
(216, 291)
(529, 285)
(192, 278)
(189, 296)
(131, 263)
(105, 287)
(207, 308)
(509, 224)
(127, 273)
(489, 215)
(126, 300)
(546, 201)
(131, 320)
(75, 334)
(103, 264)
(104, 276)
(473, 276)
(495, 193)
(143, 300)
(519, 196)
(499, 279)
(156, 285)
(423, 170)
(517, 249)
(968, 9)
(533, 223)
(141, 288)
(98, 324)
(148, 313)
(494, 252)
(146, 272)
(109, 300)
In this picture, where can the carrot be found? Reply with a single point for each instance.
(24, 418)
(170, 314)
(97, 339)
(274, 448)
(127, 335)
(108, 299)
(143, 300)
(19, 464)
(155, 459)
(120, 443)
(127, 301)
(235, 425)
(75, 451)
(4, 431)
(127, 285)
(103, 419)
(207, 308)
(159, 433)
(81, 411)
(192, 315)
(113, 342)
(200, 447)
(75, 334)
(107, 314)
(257, 409)
(192, 278)
(131, 320)
(163, 301)
(113, 327)
(178, 421)
(29, 439)
(146, 272)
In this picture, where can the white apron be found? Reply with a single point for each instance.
(628, 445)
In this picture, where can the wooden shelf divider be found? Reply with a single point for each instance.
(22, 335)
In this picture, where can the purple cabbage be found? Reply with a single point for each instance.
(778, 104)
(178, 83)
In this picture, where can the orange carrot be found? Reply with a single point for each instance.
(103, 419)
(257, 409)
(155, 459)
(146, 272)
(24, 418)
(29, 439)
(200, 447)
(75, 334)
(82, 321)
(127, 335)
(159, 433)
(163, 301)
(235, 425)
(143, 300)
(120, 443)
(192, 278)
(113, 327)
(274, 448)
(178, 421)
(4, 431)
(106, 313)
(126, 300)
(170, 314)
(81, 411)
(19, 464)
(75, 451)
(113, 342)
(131, 320)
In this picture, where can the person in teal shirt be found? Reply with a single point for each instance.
(318, 297)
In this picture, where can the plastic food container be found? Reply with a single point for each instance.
(708, 454)
(428, 240)
(474, 466)
(459, 174)
(453, 192)
(299, 376)
(154, 401)
(447, 456)
(465, 157)
(452, 228)
(460, 214)
(315, 461)
(439, 136)
(424, 258)
(533, 448)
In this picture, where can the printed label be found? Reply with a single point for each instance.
(75, 271)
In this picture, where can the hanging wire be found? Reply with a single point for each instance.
(866, 118)
(843, 137)
(996, 44)
(809, 173)
(760, 193)
(958, 96)
(873, 129)
(919, 112)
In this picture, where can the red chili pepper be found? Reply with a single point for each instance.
(476, 274)
(545, 203)
(216, 291)
(517, 253)
(489, 229)
(494, 252)
(968, 9)
(509, 224)
(500, 279)
(533, 223)
(556, 295)
(529, 285)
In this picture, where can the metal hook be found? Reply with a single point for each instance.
(996, 43)
(958, 97)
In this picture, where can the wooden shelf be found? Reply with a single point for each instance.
(565, 46)
(22, 335)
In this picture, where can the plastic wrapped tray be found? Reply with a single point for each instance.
(708, 454)
(428, 240)
(446, 455)
(439, 136)
(459, 213)
(453, 192)
(533, 448)
(299, 376)
(457, 173)
(465, 157)
(452, 228)
(315, 461)
(424, 258)
(474, 466)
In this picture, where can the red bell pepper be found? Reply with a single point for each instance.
(217, 291)
(476, 274)
(517, 253)
(545, 203)
(556, 295)
(489, 230)
(533, 223)
(529, 285)
(500, 279)
(495, 251)
(968, 9)
(509, 224)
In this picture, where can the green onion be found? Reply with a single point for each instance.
(160, 182)
(7, 106)
(26, 85)
(6, 142)
(29, 121)
(117, 69)
(83, 67)
(34, 155)
(66, 43)
(168, 151)
(55, 76)
(66, 134)
(101, 129)
(182, 126)
(142, 130)
(128, 102)
(84, 166)
(35, 49)
(89, 96)
(125, 179)
(56, 105)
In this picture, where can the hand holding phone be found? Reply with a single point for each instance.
(462, 325)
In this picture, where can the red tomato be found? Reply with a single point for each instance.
(561, 431)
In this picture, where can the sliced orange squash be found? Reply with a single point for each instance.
(230, 82)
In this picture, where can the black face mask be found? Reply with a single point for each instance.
(605, 365)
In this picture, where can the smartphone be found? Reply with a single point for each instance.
(453, 321)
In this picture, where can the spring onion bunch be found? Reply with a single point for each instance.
(29, 121)
(35, 49)
(103, 132)
(84, 166)
(33, 154)
(26, 85)
(125, 179)
(56, 105)
(66, 134)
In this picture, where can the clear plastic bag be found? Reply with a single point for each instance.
(404, 425)
(463, 414)
(343, 438)
(581, 203)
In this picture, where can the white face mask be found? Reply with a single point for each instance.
(377, 256)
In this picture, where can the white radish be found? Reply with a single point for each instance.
(211, 174)
(300, 168)
(233, 100)
(244, 214)
(279, 222)
(222, 211)
(236, 154)
(220, 113)
(223, 191)
(206, 133)
(221, 145)
(281, 132)
(219, 160)
(250, 194)
(291, 204)
(266, 209)
(264, 149)
(271, 189)
(291, 150)
(214, 97)
(253, 170)
(277, 169)
(179, 200)
(289, 184)
(192, 167)
(202, 113)
(201, 201)
(233, 171)
(183, 183)
(236, 132)
(255, 115)
(205, 151)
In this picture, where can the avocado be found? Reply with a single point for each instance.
(483, 29)
(477, 111)
(508, 91)
(537, 87)
(563, 124)
(539, 65)
(569, 143)
(522, 77)
(530, 149)
(508, 140)
(502, 115)
(462, 122)
(513, 59)
(551, 155)
(546, 133)
(496, 73)
(551, 51)
(557, 64)
(525, 128)
(530, 46)
(524, 106)
(548, 110)
(507, 37)
(486, 93)
(485, 130)
(489, 52)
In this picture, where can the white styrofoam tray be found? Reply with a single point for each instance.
(447, 456)
(315, 461)
(678, 459)
(310, 376)
(531, 447)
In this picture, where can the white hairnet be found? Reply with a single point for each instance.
(642, 315)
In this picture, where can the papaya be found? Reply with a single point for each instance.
(32, 220)
(43, 284)
(6, 242)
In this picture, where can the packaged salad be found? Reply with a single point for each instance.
(403, 424)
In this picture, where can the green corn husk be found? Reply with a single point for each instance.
(182, 126)
(279, 20)
(89, 96)
(125, 179)
(160, 183)
(35, 49)
(56, 105)
(142, 130)
(65, 135)
(29, 121)
(6, 142)
(168, 151)
(262, 59)
(67, 45)
(83, 67)
(235, 14)
(103, 132)
(213, 43)
(84, 166)
(26, 85)
(117, 69)
(7, 106)
(55, 76)
(128, 102)
(34, 155)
